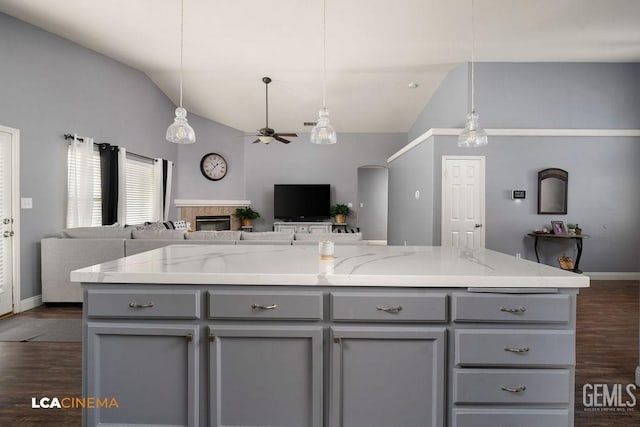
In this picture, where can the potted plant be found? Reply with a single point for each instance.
(246, 215)
(572, 228)
(340, 212)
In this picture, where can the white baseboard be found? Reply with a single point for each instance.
(29, 303)
(606, 275)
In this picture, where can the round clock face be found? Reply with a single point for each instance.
(213, 166)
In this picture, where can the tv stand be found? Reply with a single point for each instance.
(303, 227)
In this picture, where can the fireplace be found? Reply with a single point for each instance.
(213, 222)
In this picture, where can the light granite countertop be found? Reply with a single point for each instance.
(394, 266)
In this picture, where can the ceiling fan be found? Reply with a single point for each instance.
(266, 135)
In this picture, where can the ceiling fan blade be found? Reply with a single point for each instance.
(256, 141)
(287, 134)
(277, 138)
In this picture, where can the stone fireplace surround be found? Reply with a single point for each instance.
(190, 209)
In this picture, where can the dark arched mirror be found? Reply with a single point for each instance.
(552, 191)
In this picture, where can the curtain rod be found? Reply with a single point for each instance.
(81, 139)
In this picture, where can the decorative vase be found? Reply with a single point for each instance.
(340, 219)
(246, 222)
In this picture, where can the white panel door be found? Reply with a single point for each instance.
(6, 223)
(463, 201)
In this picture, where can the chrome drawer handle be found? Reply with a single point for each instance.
(517, 350)
(136, 305)
(394, 309)
(513, 310)
(513, 390)
(264, 307)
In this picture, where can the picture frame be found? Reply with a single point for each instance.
(558, 227)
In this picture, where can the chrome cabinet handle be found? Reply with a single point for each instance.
(517, 350)
(264, 307)
(394, 309)
(513, 310)
(136, 305)
(519, 389)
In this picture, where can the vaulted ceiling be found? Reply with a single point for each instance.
(374, 49)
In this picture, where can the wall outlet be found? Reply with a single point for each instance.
(350, 204)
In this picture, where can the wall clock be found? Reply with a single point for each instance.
(213, 166)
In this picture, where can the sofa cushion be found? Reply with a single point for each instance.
(106, 232)
(266, 235)
(158, 234)
(334, 237)
(213, 235)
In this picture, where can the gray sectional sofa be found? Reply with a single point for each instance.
(81, 247)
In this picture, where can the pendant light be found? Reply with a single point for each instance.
(179, 132)
(323, 132)
(472, 135)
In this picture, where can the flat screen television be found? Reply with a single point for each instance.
(301, 202)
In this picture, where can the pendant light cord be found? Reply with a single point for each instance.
(473, 48)
(181, 45)
(324, 53)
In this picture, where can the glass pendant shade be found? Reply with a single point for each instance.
(472, 135)
(323, 132)
(180, 132)
(266, 139)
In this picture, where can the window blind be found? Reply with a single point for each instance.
(139, 179)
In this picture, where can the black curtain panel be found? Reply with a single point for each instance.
(109, 183)
(164, 184)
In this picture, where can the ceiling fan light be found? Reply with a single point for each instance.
(180, 132)
(323, 133)
(473, 135)
(266, 139)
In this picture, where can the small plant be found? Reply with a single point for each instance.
(247, 213)
(340, 209)
(572, 226)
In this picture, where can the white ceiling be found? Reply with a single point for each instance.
(375, 48)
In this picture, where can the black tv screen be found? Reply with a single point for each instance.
(301, 202)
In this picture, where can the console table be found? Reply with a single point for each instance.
(577, 237)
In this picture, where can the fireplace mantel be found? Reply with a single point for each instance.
(191, 209)
(193, 202)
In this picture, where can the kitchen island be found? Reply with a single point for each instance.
(225, 335)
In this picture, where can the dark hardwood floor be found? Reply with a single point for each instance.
(606, 352)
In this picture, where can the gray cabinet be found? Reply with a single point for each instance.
(513, 359)
(265, 376)
(387, 376)
(338, 356)
(151, 370)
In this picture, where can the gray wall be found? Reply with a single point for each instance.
(603, 172)
(411, 219)
(304, 163)
(373, 202)
(211, 137)
(50, 86)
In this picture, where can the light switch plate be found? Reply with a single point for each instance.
(26, 203)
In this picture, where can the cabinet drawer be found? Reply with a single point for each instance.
(173, 304)
(265, 305)
(510, 417)
(510, 347)
(511, 308)
(511, 386)
(392, 307)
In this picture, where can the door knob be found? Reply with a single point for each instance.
(8, 233)
(478, 226)
(6, 221)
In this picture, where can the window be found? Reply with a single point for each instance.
(96, 208)
(139, 179)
